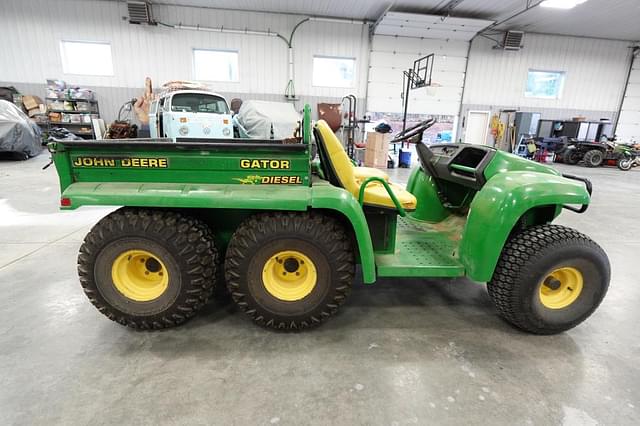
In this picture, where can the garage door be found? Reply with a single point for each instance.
(390, 56)
(401, 38)
(629, 123)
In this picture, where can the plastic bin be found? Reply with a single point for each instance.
(404, 159)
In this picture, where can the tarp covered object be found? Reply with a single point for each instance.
(18, 134)
(255, 119)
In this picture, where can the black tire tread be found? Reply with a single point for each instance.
(569, 157)
(323, 229)
(522, 249)
(193, 239)
(588, 156)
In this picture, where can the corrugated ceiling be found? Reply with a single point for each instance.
(614, 19)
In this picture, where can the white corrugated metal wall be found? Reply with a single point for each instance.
(629, 123)
(390, 56)
(34, 28)
(595, 69)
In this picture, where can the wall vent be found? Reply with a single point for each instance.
(140, 13)
(513, 40)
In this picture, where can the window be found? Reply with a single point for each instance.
(86, 57)
(333, 72)
(196, 102)
(215, 65)
(544, 84)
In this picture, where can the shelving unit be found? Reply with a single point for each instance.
(82, 129)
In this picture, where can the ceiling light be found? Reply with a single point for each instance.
(561, 4)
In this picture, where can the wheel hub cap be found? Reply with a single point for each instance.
(139, 275)
(561, 288)
(289, 275)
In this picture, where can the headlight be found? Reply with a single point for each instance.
(226, 131)
(183, 130)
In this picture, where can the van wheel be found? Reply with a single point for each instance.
(148, 269)
(289, 271)
(549, 279)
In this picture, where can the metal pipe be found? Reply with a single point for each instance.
(464, 84)
(366, 62)
(406, 101)
(338, 20)
(295, 28)
(634, 53)
(267, 33)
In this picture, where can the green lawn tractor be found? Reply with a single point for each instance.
(592, 154)
(283, 232)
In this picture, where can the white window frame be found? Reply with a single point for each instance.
(193, 62)
(558, 95)
(65, 61)
(313, 70)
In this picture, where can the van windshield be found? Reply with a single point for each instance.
(199, 102)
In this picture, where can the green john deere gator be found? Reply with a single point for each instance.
(284, 231)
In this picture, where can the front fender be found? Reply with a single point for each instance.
(337, 199)
(496, 209)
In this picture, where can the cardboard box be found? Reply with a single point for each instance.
(55, 117)
(31, 102)
(41, 109)
(377, 150)
(378, 141)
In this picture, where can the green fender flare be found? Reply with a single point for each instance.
(332, 198)
(496, 209)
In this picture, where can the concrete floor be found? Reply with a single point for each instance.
(400, 351)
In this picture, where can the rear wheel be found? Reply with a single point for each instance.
(148, 269)
(593, 158)
(571, 156)
(549, 278)
(289, 271)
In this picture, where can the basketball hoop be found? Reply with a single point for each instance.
(416, 78)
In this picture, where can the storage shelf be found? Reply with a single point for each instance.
(71, 124)
(71, 100)
(83, 129)
(73, 112)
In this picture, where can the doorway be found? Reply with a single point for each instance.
(477, 127)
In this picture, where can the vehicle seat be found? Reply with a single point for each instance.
(341, 172)
(362, 173)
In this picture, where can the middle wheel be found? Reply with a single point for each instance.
(289, 270)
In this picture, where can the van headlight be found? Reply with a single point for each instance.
(226, 131)
(183, 130)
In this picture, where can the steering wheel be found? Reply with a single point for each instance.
(413, 131)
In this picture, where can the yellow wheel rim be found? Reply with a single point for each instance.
(561, 287)
(289, 275)
(139, 275)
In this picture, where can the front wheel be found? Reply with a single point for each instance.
(549, 279)
(625, 164)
